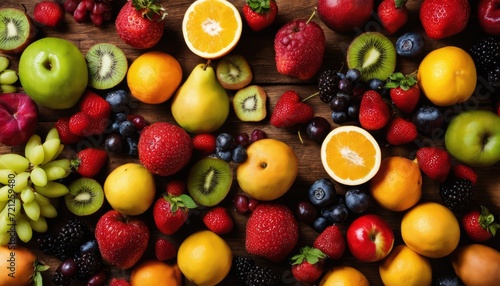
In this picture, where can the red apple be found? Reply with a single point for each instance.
(488, 13)
(370, 238)
(344, 15)
(18, 118)
(122, 240)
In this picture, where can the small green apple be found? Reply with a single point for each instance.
(53, 72)
(473, 137)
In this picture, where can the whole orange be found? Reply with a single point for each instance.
(404, 264)
(345, 276)
(153, 77)
(19, 266)
(155, 273)
(397, 186)
(269, 171)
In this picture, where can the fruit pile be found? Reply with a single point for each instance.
(150, 176)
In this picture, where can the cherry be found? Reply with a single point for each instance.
(241, 203)
(68, 268)
(252, 204)
(98, 279)
(242, 139)
(317, 128)
(139, 122)
(306, 212)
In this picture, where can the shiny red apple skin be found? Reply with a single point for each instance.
(370, 238)
(345, 16)
(18, 118)
(488, 13)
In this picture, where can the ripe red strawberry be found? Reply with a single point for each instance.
(260, 14)
(331, 242)
(165, 249)
(444, 18)
(118, 282)
(308, 265)
(462, 171)
(79, 124)
(290, 110)
(374, 113)
(48, 13)
(89, 162)
(218, 220)
(271, 232)
(393, 15)
(404, 91)
(94, 105)
(401, 131)
(299, 49)
(176, 187)
(480, 225)
(66, 136)
(204, 143)
(171, 212)
(434, 162)
(140, 24)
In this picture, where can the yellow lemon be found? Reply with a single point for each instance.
(344, 276)
(404, 264)
(447, 76)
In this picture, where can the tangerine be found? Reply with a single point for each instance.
(155, 273)
(19, 266)
(344, 276)
(404, 264)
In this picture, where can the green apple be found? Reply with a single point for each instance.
(473, 137)
(53, 72)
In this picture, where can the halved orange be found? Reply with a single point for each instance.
(211, 28)
(350, 155)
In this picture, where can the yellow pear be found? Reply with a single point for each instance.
(201, 104)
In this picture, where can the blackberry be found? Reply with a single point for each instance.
(243, 266)
(494, 76)
(59, 280)
(51, 245)
(262, 276)
(75, 232)
(456, 193)
(485, 53)
(88, 264)
(328, 85)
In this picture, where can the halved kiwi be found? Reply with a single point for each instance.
(85, 196)
(209, 181)
(107, 65)
(373, 54)
(233, 72)
(17, 31)
(249, 103)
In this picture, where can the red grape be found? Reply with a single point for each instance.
(306, 212)
(241, 203)
(98, 279)
(242, 139)
(68, 268)
(80, 13)
(252, 204)
(70, 5)
(257, 134)
(96, 19)
(139, 122)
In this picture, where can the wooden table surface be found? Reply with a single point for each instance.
(258, 49)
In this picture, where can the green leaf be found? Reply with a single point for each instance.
(37, 279)
(399, 3)
(259, 6)
(187, 201)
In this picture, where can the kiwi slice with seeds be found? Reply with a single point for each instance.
(249, 103)
(209, 181)
(233, 72)
(85, 196)
(17, 31)
(107, 65)
(373, 54)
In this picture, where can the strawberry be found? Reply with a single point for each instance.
(260, 14)
(176, 187)
(66, 136)
(308, 265)
(392, 14)
(140, 23)
(218, 220)
(401, 131)
(48, 13)
(204, 143)
(404, 91)
(299, 49)
(271, 232)
(171, 212)
(462, 171)
(480, 225)
(89, 162)
(290, 110)
(374, 113)
(165, 249)
(434, 162)
(331, 242)
(444, 18)
(79, 124)
(95, 106)
(118, 282)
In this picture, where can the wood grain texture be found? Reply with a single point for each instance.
(258, 49)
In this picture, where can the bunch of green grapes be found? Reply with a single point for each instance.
(7, 76)
(27, 185)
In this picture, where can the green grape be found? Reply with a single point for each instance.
(52, 134)
(52, 190)
(55, 173)
(34, 140)
(4, 63)
(27, 195)
(17, 208)
(41, 199)
(4, 193)
(21, 182)
(23, 228)
(39, 225)
(48, 211)
(50, 148)
(4, 224)
(4, 238)
(38, 177)
(32, 210)
(36, 155)
(7, 88)
(2, 205)
(63, 163)
(8, 77)
(6, 175)
(14, 162)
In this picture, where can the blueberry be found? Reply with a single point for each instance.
(353, 110)
(357, 199)
(118, 100)
(322, 192)
(376, 84)
(339, 117)
(340, 75)
(115, 127)
(127, 128)
(320, 224)
(353, 75)
(89, 246)
(410, 44)
(225, 155)
(239, 154)
(113, 142)
(131, 146)
(337, 213)
(120, 116)
(224, 141)
(345, 85)
(338, 103)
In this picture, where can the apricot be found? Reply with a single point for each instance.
(477, 264)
